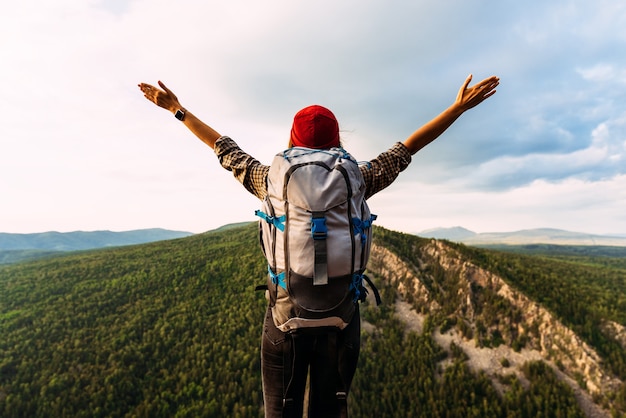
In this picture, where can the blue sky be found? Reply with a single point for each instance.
(81, 149)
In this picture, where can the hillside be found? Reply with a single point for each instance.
(503, 309)
(158, 330)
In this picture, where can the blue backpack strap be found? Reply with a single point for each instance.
(277, 279)
(278, 222)
(356, 286)
(360, 292)
(360, 226)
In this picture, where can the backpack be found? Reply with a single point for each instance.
(315, 231)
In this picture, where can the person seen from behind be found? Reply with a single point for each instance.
(327, 357)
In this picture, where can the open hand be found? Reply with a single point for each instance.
(164, 98)
(468, 97)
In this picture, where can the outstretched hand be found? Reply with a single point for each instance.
(163, 98)
(468, 97)
(166, 99)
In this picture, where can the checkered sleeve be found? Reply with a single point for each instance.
(384, 169)
(249, 171)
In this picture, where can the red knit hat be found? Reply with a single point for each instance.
(315, 127)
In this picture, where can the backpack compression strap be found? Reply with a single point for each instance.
(361, 226)
(319, 233)
(278, 222)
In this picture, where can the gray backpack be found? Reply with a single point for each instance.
(316, 236)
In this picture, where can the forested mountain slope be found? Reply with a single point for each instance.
(173, 329)
(507, 308)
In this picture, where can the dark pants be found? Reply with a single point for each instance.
(287, 358)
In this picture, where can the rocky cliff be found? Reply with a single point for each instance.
(438, 282)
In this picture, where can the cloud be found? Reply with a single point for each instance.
(75, 131)
(602, 159)
(602, 73)
(414, 207)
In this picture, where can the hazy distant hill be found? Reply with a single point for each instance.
(23, 247)
(172, 328)
(81, 240)
(529, 236)
(456, 234)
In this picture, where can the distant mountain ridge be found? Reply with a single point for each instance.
(82, 240)
(522, 237)
(85, 240)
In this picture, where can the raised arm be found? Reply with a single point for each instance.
(467, 98)
(166, 99)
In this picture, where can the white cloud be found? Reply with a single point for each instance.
(606, 74)
(80, 148)
(574, 205)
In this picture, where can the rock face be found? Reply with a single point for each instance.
(438, 281)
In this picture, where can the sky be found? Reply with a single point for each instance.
(82, 149)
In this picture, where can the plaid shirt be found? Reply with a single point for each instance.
(378, 173)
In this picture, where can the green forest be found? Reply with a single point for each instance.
(173, 329)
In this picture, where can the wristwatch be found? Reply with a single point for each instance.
(180, 114)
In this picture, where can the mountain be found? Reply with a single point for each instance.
(524, 237)
(23, 247)
(81, 240)
(456, 234)
(172, 328)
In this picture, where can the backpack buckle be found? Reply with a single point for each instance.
(318, 226)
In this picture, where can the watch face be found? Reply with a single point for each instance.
(180, 115)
